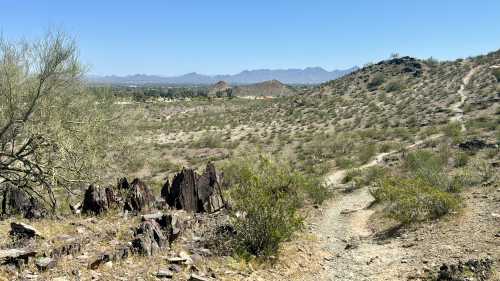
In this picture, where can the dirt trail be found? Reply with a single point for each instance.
(457, 107)
(343, 229)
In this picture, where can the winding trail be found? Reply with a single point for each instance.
(343, 229)
(457, 107)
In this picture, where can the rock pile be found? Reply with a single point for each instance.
(480, 270)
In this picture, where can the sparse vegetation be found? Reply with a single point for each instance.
(412, 199)
(266, 195)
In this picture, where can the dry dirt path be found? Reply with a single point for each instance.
(343, 229)
(457, 107)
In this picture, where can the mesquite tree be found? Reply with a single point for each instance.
(53, 133)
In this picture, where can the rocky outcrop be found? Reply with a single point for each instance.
(476, 144)
(194, 193)
(18, 257)
(149, 239)
(16, 201)
(23, 231)
(471, 270)
(123, 184)
(95, 201)
(208, 190)
(139, 197)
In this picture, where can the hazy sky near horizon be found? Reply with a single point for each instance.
(224, 37)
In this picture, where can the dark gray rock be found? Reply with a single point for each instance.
(24, 231)
(119, 253)
(15, 201)
(16, 257)
(139, 197)
(194, 193)
(149, 239)
(95, 201)
(475, 145)
(480, 270)
(123, 184)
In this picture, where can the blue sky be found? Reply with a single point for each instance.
(210, 36)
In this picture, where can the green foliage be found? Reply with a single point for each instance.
(411, 200)
(366, 152)
(496, 73)
(209, 140)
(393, 86)
(377, 80)
(363, 177)
(453, 131)
(54, 133)
(266, 194)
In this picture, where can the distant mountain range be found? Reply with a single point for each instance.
(310, 75)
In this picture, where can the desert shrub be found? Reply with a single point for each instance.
(363, 177)
(344, 162)
(496, 73)
(209, 141)
(265, 194)
(366, 152)
(393, 86)
(431, 168)
(453, 131)
(376, 81)
(411, 200)
(461, 159)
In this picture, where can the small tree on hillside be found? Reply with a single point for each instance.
(51, 130)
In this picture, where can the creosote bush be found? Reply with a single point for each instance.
(265, 194)
(411, 200)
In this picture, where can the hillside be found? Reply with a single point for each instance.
(273, 88)
(393, 170)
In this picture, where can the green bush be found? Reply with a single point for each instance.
(209, 141)
(376, 81)
(366, 152)
(412, 200)
(265, 195)
(496, 73)
(363, 177)
(393, 86)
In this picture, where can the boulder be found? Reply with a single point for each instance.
(194, 193)
(476, 144)
(208, 190)
(24, 231)
(149, 239)
(44, 263)
(15, 201)
(139, 197)
(182, 193)
(164, 273)
(18, 257)
(95, 201)
(123, 184)
(117, 254)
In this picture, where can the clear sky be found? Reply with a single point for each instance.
(170, 37)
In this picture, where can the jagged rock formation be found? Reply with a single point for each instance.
(139, 197)
(95, 201)
(194, 193)
(16, 201)
(149, 238)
